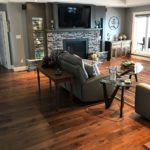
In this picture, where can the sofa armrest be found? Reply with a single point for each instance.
(95, 79)
(142, 92)
(93, 88)
(143, 86)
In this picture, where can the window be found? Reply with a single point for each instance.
(141, 39)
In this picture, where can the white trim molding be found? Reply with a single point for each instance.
(133, 3)
(22, 68)
(141, 57)
(5, 54)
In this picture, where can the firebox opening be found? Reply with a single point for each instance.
(76, 46)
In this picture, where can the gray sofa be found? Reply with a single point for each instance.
(142, 100)
(85, 88)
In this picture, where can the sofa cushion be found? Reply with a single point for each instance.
(74, 60)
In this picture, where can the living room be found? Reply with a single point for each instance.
(61, 103)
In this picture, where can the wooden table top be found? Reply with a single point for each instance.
(50, 73)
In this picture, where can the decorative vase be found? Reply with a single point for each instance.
(52, 24)
(120, 37)
(124, 37)
(112, 73)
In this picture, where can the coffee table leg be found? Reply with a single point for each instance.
(122, 102)
(109, 100)
(136, 78)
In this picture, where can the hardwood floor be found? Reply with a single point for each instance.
(33, 122)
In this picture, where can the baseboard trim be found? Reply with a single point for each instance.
(22, 68)
(140, 57)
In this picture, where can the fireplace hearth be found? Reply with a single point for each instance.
(76, 46)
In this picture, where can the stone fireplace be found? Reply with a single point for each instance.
(77, 41)
(76, 46)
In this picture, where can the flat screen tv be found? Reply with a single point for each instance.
(71, 15)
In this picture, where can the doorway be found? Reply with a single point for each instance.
(141, 35)
(4, 48)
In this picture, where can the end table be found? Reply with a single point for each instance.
(118, 84)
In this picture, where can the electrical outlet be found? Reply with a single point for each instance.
(21, 61)
(18, 36)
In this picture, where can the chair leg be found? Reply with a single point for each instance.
(136, 78)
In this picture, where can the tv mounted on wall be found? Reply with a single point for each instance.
(73, 15)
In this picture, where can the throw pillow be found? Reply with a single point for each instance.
(96, 69)
(92, 70)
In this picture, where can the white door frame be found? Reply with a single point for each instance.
(6, 43)
(133, 28)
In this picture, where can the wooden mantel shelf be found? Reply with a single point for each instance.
(75, 29)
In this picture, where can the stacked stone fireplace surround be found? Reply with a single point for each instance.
(56, 38)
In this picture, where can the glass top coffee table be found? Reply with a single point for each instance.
(133, 69)
(118, 84)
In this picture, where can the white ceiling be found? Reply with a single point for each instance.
(108, 3)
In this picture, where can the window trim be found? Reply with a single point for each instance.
(136, 14)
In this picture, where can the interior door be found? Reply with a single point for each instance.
(4, 45)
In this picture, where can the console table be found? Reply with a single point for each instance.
(117, 48)
(57, 79)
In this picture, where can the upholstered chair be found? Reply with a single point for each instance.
(142, 100)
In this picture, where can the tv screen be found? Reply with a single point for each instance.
(74, 16)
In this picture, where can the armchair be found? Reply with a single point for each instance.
(142, 100)
(86, 89)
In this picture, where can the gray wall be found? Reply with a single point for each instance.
(129, 17)
(25, 34)
(3, 7)
(49, 14)
(97, 12)
(15, 16)
(120, 13)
